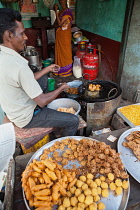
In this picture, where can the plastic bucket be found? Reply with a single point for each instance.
(51, 84)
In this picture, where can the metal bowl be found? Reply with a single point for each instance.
(65, 103)
(78, 36)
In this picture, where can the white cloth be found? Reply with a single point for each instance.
(17, 87)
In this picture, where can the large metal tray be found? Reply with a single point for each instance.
(112, 202)
(129, 160)
(125, 118)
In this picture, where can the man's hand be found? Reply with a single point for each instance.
(52, 68)
(64, 86)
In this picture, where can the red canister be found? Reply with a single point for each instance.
(90, 63)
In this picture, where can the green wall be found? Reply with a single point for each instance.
(105, 18)
(40, 6)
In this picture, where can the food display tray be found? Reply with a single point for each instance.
(125, 118)
(112, 202)
(131, 163)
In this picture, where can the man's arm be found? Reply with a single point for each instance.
(44, 99)
(51, 68)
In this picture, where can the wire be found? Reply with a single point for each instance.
(108, 62)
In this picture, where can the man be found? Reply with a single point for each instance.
(20, 93)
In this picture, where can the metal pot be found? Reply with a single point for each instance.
(78, 36)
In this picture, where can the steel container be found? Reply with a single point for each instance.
(65, 103)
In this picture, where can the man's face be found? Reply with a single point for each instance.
(18, 40)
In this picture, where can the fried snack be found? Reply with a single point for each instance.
(45, 189)
(133, 142)
(93, 87)
(67, 110)
(73, 90)
(101, 206)
(42, 192)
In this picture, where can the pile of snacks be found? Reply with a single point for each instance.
(73, 90)
(133, 142)
(132, 113)
(93, 87)
(68, 110)
(94, 156)
(44, 183)
(47, 183)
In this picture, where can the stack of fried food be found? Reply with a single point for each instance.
(46, 182)
(133, 142)
(68, 110)
(73, 90)
(94, 156)
(93, 87)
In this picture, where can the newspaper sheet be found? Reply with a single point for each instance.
(7, 144)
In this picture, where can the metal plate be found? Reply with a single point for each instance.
(112, 202)
(125, 118)
(129, 160)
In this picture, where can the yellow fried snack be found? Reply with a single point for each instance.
(125, 184)
(94, 191)
(105, 193)
(73, 201)
(55, 192)
(51, 174)
(44, 198)
(111, 176)
(118, 190)
(46, 178)
(42, 203)
(88, 199)
(101, 206)
(87, 192)
(50, 165)
(39, 187)
(82, 178)
(118, 182)
(66, 202)
(43, 192)
(84, 187)
(90, 176)
(102, 178)
(36, 168)
(96, 198)
(81, 198)
(98, 182)
(44, 208)
(104, 185)
(112, 186)
(31, 182)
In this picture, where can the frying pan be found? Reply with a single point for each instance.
(109, 90)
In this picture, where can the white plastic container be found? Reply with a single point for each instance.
(77, 68)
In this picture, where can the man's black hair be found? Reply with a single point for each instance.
(7, 21)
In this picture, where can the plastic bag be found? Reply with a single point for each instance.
(77, 68)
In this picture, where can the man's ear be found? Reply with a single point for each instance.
(8, 35)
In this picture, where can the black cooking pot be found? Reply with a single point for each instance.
(109, 90)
